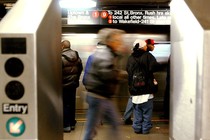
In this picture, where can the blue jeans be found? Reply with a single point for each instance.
(129, 109)
(142, 117)
(100, 109)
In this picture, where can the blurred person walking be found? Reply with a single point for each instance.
(142, 99)
(71, 71)
(100, 81)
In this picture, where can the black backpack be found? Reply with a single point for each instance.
(139, 82)
(138, 79)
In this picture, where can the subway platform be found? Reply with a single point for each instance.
(160, 131)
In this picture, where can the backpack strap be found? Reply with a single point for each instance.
(137, 61)
(141, 65)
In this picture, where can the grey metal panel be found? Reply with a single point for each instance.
(48, 51)
(41, 77)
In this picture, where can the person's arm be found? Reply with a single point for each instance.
(154, 66)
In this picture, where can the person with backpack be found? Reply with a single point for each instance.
(140, 67)
(71, 71)
(129, 107)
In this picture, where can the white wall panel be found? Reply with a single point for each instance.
(186, 58)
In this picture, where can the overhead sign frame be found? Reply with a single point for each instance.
(119, 17)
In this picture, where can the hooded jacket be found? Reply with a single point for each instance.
(72, 68)
(101, 75)
(147, 61)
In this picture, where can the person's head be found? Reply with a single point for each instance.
(102, 33)
(139, 45)
(65, 44)
(150, 44)
(114, 39)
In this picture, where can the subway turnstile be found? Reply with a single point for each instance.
(30, 71)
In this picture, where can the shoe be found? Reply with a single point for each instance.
(138, 132)
(73, 126)
(164, 116)
(128, 122)
(147, 132)
(67, 129)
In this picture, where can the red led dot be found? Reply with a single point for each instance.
(110, 16)
(110, 21)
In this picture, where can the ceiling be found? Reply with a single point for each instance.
(133, 2)
(8, 1)
(109, 4)
(111, 1)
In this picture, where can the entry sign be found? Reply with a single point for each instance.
(8, 108)
(15, 126)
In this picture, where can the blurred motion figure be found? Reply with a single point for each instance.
(100, 81)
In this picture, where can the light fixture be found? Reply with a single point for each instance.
(77, 4)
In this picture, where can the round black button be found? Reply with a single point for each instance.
(14, 67)
(14, 90)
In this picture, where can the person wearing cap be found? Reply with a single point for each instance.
(129, 107)
(151, 47)
(142, 101)
(150, 44)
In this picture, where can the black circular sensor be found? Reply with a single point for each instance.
(14, 67)
(14, 90)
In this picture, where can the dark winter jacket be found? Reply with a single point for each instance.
(147, 61)
(72, 68)
(101, 75)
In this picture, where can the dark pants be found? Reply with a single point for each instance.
(69, 106)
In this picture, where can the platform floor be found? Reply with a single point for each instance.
(160, 131)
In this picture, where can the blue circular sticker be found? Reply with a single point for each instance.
(15, 126)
